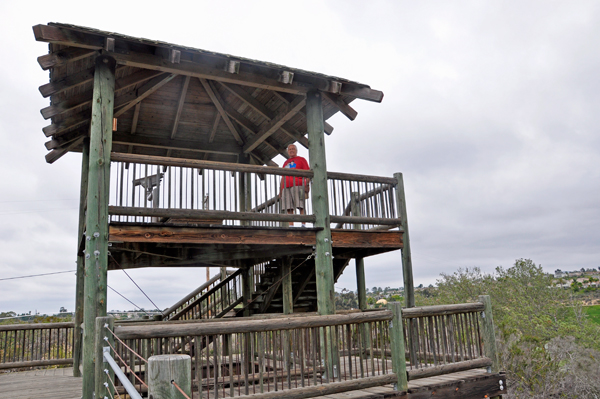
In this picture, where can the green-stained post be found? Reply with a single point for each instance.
(96, 245)
(409, 286)
(102, 326)
(397, 346)
(165, 369)
(489, 337)
(361, 284)
(77, 331)
(320, 206)
(320, 203)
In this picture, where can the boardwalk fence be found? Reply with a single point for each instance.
(34, 345)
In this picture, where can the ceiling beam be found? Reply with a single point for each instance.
(274, 124)
(126, 102)
(252, 102)
(176, 144)
(341, 106)
(328, 128)
(184, 90)
(67, 107)
(217, 102)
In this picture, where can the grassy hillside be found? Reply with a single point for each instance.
(593, 312)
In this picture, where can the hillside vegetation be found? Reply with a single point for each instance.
(547, 344)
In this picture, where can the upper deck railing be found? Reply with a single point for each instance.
(146, 189)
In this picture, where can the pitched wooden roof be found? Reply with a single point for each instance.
(181, 101)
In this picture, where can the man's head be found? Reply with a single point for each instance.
(292, 150)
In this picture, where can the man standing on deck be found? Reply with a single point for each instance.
(294, 189)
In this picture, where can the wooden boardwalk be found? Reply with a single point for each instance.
(40, 384)
(60, 384)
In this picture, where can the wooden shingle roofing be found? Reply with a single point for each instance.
(180, 101)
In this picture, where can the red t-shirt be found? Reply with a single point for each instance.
(295, 163)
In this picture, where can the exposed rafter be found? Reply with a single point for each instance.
(344, 108)
(257, 106)
(217, 102)
(274, 124)
(126, 102)
(184, 90)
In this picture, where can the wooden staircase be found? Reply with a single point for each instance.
(223, 298)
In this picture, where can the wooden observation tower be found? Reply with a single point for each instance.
(177, 146)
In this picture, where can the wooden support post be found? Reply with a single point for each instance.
(96, 244)
(489, 337)
(397, 347)
(409, 286)
(361, 285)
(77, 331)
(100, 364)
(164, 370)
(247, 288)
(286, 285)
(320, 203)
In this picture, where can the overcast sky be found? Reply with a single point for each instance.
(491, 112)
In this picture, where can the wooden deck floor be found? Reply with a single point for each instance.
(60, 384)
(40, 384)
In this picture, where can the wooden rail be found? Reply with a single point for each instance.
(36, 345)
(152, 189)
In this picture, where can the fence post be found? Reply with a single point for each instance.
(409, 286)
(165, 369)
(489, 338)
(397, 346)
(99, 375)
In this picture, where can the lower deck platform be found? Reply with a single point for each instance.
(172, 245)
(59, 383)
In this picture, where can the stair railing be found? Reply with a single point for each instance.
(214, 303)
(192, 296)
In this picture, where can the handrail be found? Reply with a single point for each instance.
(36, 326)
(363, 197)
(212, 165)
(193, 294)
(206, 214)
(438, 310)
(167, 329)
(131, 391)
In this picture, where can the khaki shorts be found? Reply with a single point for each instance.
(292, 198)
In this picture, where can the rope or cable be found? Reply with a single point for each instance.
(157, 308)
(179, 389)
(121, 295)
(125, 363)
(111, 383)
(36, 275)
(124, 344)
